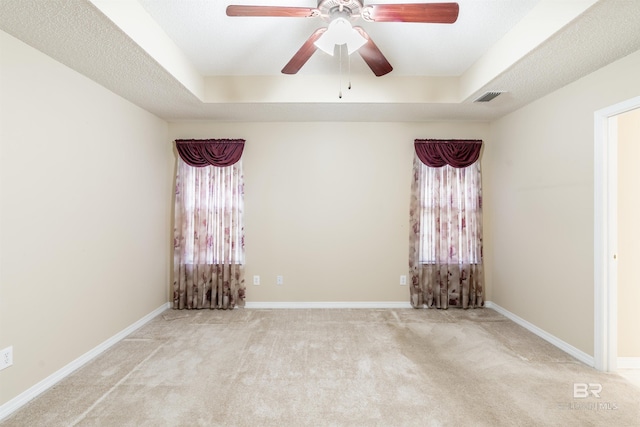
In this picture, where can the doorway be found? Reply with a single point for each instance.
(606, 228)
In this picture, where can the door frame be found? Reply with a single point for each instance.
(606, 233)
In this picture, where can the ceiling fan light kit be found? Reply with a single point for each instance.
(340, 14)
(340, 32)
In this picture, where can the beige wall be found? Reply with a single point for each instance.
(542, 204)
(327, 205)
(628, 233)
(85, 218)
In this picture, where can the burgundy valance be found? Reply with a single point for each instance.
(205, 152)
(458, 153)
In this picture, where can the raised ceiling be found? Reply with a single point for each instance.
(218, 45)
(187, 60)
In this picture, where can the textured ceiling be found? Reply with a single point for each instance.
(185, 60)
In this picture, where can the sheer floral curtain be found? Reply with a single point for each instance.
(445, 254)
(209, 228)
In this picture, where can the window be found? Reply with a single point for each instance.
(213, 206)
(450, 215)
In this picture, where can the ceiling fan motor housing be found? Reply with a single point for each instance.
(348, 9)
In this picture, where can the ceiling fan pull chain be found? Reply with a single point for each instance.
(340, 65)
(349, 70)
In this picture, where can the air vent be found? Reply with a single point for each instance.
(487, 96)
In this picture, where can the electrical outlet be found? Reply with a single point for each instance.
(256, 280)
(403, 280)
(279, 280)
(6, 357)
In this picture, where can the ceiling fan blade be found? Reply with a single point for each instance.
(281, 11)
(435, 13)
(372, 55)
(304, 53)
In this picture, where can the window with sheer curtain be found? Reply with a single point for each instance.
(209, 228)
(446, 225)
(450, 196)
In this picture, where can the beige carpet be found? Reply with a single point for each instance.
(333, 367)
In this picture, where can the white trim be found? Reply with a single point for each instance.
(628, 362)
(612, 241)
(32, 392)
(567, 348)
(334, 304)
(605, 234)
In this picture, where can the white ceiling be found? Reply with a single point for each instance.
(219, 45)
(186, 60)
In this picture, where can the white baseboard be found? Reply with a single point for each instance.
(567, 348)
(335, 304)
(628, 363)
(14, 404)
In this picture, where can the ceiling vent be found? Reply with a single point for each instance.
(487, 96)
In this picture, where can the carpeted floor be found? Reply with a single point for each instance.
(334, 367)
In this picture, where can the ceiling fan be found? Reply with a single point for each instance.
(340, 14)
